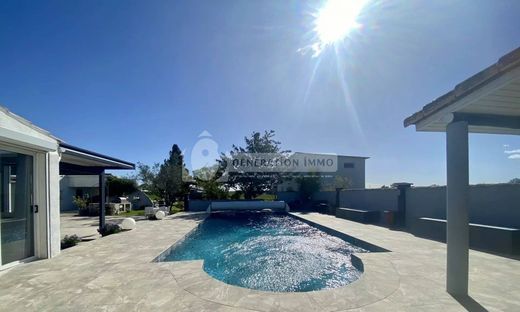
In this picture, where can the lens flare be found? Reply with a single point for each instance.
(335, 20)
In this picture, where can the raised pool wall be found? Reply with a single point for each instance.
(199, 205)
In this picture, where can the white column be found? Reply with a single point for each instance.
(457, 193)
(54, 203)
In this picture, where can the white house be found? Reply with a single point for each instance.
(84, 186)
(87, 186)
(31, 161)
(350, 170)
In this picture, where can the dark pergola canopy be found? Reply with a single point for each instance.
(76, 160)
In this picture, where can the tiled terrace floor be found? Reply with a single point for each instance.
(116, 273)
(83, 226)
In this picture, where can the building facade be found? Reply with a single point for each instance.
(348, 172)
(71, 186)
(31, 161)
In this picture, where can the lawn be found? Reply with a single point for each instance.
(266, 197)
(176, 207)
(132, 213)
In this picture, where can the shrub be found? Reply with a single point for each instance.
(70, 241)
(109, 228)
(82, 205)
(236, 195)
(177, 207)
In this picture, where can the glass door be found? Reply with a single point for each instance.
(16, 210)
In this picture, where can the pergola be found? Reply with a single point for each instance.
(79, 161)
(488, 102)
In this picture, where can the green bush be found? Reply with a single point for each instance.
(70, 241)
(82, 205)
(177, 207)
(109, 228)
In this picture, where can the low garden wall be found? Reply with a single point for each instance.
(370, 199)
(490, 204)
(495, 205)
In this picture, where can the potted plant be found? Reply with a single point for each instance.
(81, 204)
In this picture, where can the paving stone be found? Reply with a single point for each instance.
(118, 273)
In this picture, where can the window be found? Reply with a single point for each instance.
(348, 165)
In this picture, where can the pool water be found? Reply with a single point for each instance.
(271, 252)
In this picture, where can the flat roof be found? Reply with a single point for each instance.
(81, 157)
(490, 100)
(363, 157)
(72, 154)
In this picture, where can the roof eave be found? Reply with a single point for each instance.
(504, 65)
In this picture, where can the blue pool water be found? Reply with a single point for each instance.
(273, 252)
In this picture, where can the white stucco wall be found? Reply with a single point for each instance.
(19, 135)
(54, 202)
(355, 175)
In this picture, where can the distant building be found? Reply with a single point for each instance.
(348, 172)
(87, 187)
(84, 186)
(139, 200)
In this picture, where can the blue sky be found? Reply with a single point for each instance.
(130, 78)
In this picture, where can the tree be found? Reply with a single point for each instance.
(146, 177)
(120, 186)
(206, 173)
(252, 184)
(338, 182)
(207, 178)
(515, 181)
(308, 185)
(169, 178)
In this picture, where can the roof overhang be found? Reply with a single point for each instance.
(21, 139)
(75, 158)
(489, 101)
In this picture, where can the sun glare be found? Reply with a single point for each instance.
(335, 20)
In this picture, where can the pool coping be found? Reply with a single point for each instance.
(378, 281)
(348, 238)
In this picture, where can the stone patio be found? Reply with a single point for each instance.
(84, 226)
(117, 273)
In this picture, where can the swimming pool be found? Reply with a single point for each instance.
(271, 252)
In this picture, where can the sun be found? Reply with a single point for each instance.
(336, 19)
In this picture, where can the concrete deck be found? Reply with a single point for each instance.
(116, 273)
